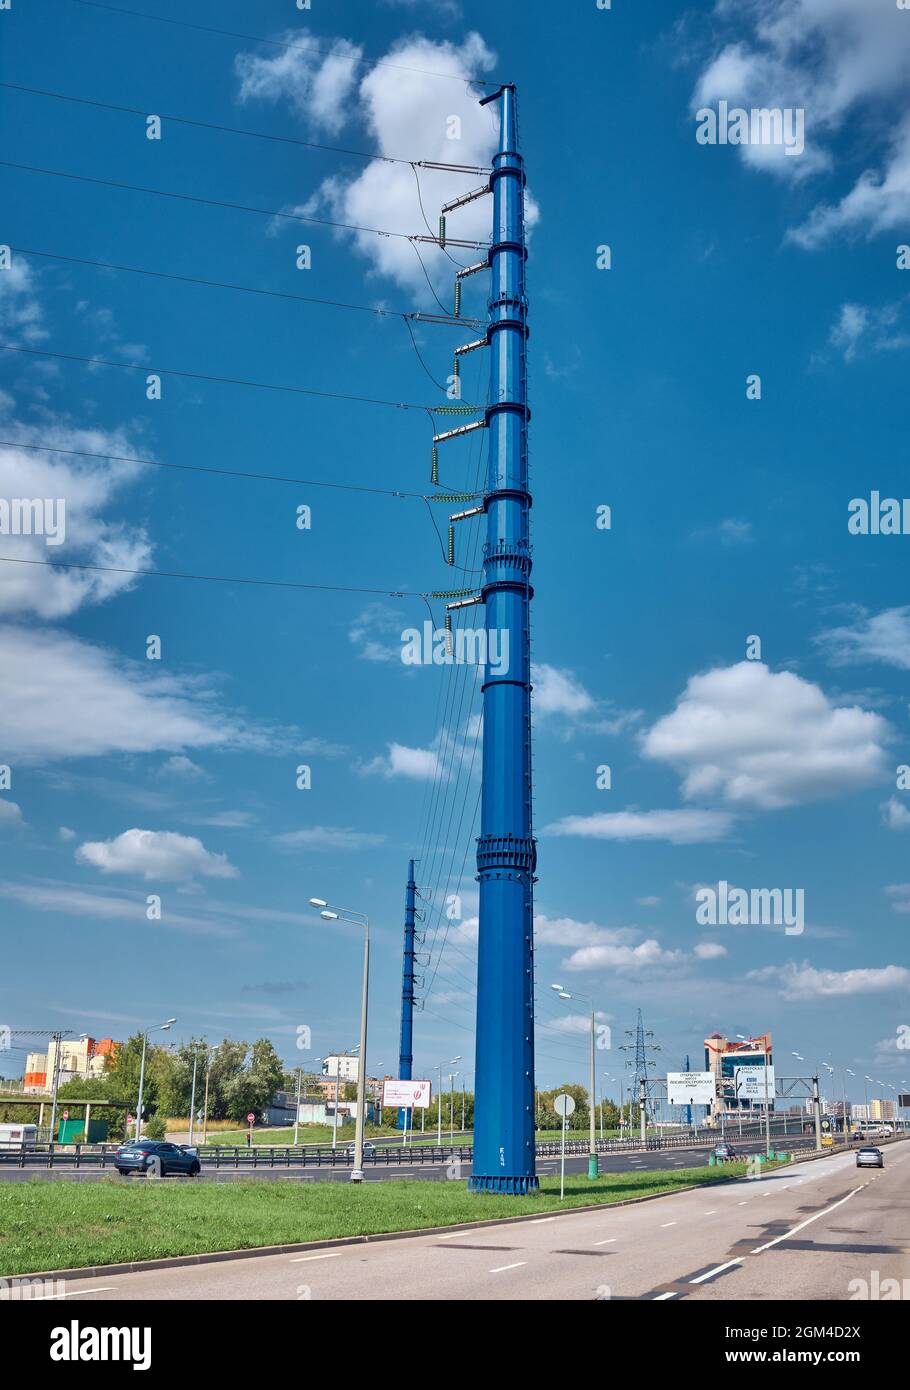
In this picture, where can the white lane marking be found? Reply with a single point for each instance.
(740, 1204)
(453, 1234)
(500, 1268)
(542, 1220)
(808, 1221)
(664, 1224)
(712, 1212)
(302, 1259)
(75, 1293)
(661, 1296)
(609, 1241)
(716, 1270)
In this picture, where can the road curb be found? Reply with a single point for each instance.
(254, 1252)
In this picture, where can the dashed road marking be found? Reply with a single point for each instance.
(303, 1259)
(500, 1269)
(718, 1269)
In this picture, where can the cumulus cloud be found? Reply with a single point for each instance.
(846, 63)
(873, 639)
(64, 698)
(420, 764)
(397, 102)
(10, 813)
(87, 488)
(860, 330)
(754, 737)
(21, 315)
(710, 950)
(328, 837)
(895, 814)
(566, 931)
(647, 955)
(680, 827)
(155, 854)
(317, 81)
(806, 982)
(558, 692)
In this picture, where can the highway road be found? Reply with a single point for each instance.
(632, 1162)
(802, 1233)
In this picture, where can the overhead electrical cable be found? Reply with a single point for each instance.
(237, 130)
(310, 47)
(233, 207)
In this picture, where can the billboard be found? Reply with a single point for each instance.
(750, 1083)
(903, 1102)
(690, 1087)
(407, 1095)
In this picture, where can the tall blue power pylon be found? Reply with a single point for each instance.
(406, 1045)
(506, 851)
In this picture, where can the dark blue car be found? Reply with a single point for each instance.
(156, 1158)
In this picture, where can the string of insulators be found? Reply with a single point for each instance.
(449, 634)
(442, 232)
(451, 593)
(456, 370)
(456, 409)
(434, 466)
(450, 552)
(457, 309)
(453, 496)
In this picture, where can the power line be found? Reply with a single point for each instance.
(221, 380)
(277, 43)
(236, 130)
(415, 315)
(234, 207)
(218, 472)
(214, 578)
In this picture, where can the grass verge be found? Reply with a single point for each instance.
(62, 1225)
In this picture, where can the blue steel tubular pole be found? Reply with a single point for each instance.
(506, 851)
(406, 1046)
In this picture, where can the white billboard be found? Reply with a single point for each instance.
(750, 1083)
(690, 1087)
(407, 1095)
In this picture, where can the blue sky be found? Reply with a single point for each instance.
(729, 520)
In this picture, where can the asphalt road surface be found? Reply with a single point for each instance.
(640, 1162)
(801, 1233)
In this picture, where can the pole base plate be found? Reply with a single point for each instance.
(518, 1186)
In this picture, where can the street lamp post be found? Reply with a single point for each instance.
(592, 1152)
(162, 1028)
(451, 1062)
(360, 919)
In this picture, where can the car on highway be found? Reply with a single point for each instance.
(156, 1156)
(368, 1147)
(725, 1153)
(869, 1157)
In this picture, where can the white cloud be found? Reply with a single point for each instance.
(420, 764)
(10, 813)
(878, 202)
(895, 814)
(67, 900)
(21, 315)
(66, 835)
(87, 488)
(328, 837)
(317, 83)
(183, 768)
(558, 692)
(766, 739)
(900, 892)
(647, 955)
(710, 950)
(410, 112)
(63, 698)
(806, 982)
(566, 931)
(577, 1025)
(650, 901)
(155, 854)
(369, 631)
(860, 329)
(846, 63)
(680, 827)
(882, 638)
